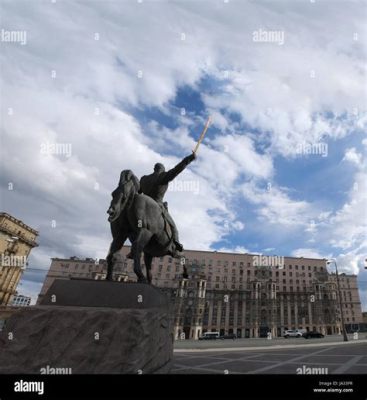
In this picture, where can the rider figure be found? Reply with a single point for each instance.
(155, 186)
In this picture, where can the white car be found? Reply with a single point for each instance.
(292, 333)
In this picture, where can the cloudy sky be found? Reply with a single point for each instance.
(125, 84)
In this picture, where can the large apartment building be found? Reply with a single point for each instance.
(16, 241)
(246, 294)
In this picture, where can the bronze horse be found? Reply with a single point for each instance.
(139, 218)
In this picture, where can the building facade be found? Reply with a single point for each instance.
(246, 294)
(16, 241)
(21, 301)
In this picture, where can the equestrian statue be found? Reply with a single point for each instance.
(138, 213)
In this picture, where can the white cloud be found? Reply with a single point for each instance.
(274, 206)
(307, 253)
(352, 156)
(236, 249)
(241, 150)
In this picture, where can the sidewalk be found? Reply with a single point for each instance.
(182, 346)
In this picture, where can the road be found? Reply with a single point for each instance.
(257, 358)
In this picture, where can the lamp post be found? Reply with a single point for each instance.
(345, 337)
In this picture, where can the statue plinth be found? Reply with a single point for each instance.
(91, 327)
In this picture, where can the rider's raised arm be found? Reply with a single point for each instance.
(172, 173)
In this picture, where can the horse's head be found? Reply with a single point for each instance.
(128, 186)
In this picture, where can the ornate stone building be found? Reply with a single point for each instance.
(16, 241)
(245, 294)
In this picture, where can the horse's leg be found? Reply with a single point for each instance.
(148, 265)
(116, 245)
(138, 245)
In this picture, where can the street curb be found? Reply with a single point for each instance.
(275, 347)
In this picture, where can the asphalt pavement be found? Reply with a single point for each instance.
(277, 356)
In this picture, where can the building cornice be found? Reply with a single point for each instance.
(18, 222)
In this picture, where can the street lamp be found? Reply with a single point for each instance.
(332, 260)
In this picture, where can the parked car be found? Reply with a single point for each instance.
(313, 334)
(292, 333)
(229, 336)
(210, 336)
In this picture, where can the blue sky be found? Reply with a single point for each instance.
(128, 86)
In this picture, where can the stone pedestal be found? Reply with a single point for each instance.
(91, 327)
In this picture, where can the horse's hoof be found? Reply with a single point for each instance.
(109, 278)
(142, 280)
